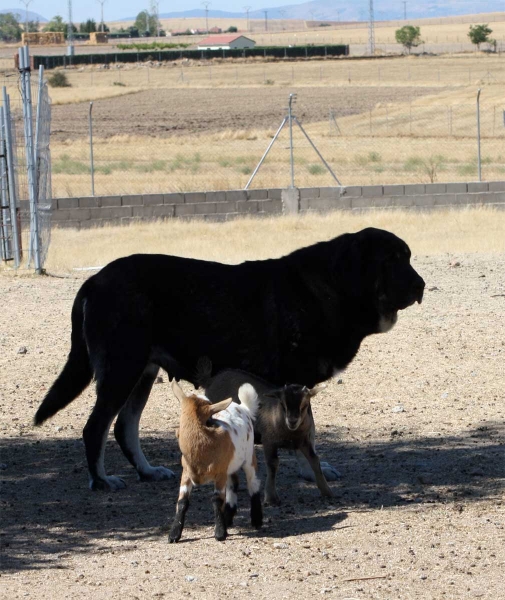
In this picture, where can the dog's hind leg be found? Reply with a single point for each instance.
(126, 429)
(113, 389)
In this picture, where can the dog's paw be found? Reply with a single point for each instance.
(330, 473)
(107, 484)
(156, 474)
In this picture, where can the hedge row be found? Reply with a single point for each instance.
(50, 62)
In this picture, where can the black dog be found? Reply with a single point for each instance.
(299, 319)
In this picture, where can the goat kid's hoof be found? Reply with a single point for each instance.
(157, 474)
(229, 514)
(110, 483)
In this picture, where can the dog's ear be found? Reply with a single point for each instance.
(219, 406)
(179, 394)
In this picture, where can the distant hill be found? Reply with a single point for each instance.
(343, 10)
(21, 15)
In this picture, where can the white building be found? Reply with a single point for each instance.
(226, 42)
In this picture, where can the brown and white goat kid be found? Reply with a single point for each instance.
(214, 448)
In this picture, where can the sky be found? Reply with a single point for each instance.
(118, 9)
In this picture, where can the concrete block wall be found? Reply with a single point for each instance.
(85, 212)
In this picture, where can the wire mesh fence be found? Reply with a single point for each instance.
(25, 170)
(406, 142)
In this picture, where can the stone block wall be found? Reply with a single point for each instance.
(85, 212)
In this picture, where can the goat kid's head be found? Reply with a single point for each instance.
(198, 406)
(295, 401)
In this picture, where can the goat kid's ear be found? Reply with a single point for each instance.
(179, 394)
(219, 406)
(316, 389)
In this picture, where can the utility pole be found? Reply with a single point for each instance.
(102, 2)
(70, 32)
(266, 19)
(206, 4)
(247, 9)
(371, 30)
(155, 6)
(404, 2)
(26, 3)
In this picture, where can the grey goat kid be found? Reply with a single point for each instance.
(284, 419)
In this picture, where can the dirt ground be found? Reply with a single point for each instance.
(415, 425)
(162, 112)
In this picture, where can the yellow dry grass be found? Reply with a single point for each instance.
(443, 71)
(452, 30)
(431, 139)
(453, 232)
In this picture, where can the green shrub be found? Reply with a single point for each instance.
(59, 79)
(374, 157)
(316, 169)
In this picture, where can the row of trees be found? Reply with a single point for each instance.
(410, 36)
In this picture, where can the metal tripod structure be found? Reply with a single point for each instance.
(289, 119)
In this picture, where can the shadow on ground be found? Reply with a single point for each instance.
(48, 509)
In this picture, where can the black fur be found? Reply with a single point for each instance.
(297, 318)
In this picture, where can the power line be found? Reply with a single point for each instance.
(207, 4)
(247, 9)
(102, 2)
(26, 3)
(371, 30)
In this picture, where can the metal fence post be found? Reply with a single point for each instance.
(5, 246)
(24, 68)
(478, 136)
(92, 165)
(292, 97)
(11, 178)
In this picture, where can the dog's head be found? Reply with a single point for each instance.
(377, 264)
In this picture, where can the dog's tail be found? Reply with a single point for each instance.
(203, 374)
(249, 398)
(76, 374)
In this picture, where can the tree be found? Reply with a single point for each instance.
(409, 36)
(88, 27)
(57, 24)
(31, 26)
(146, 24)
(232, 29)
(479, 34)
(10, 30)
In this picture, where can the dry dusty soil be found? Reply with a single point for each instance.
(165, 112)
(416, 427)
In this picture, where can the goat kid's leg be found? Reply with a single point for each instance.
(126, 429)
(313, 460)
(272, 462)
(182, 507)
(306, 472)
(230, 507)
(218, 500)
(253, 487)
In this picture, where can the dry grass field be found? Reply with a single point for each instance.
(432, 233)
(199, 126)
(415, 425)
